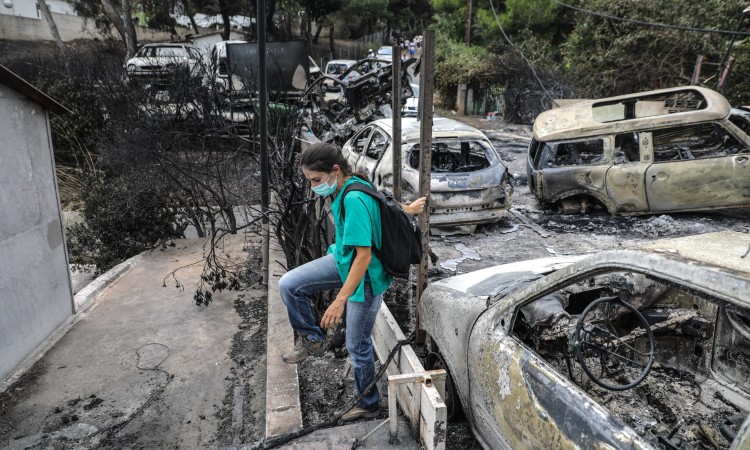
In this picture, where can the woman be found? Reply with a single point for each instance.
(349, 266)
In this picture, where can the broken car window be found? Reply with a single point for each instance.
(361, 140)
(627, 148)
(648, 106)
(576, 153)
(663, 339)
(378, 144)
(707, 140)
(456, 156)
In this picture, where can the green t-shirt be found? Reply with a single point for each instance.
(361, 228)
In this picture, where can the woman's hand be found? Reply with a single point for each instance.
(333, 314)
(415, 207)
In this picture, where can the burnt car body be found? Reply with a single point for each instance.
(366, 96)
(626, 349)
(678, 149)
(469, 183)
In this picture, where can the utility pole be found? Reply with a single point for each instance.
(426, 88)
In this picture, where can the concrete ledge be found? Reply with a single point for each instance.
(83, 300)
(85, 296)
(283, 409)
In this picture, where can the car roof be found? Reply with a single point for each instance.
(168, 44)
(578, 120)
(342, 61)
(442, 128)
(711, 262)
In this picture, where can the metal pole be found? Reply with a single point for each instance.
(722, 87)
(426, 87)
(396, 105)
(697, 70)
(263, 121)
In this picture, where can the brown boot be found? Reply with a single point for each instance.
(359, 412)
(303, 349)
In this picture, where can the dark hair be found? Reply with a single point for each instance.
(322, 156)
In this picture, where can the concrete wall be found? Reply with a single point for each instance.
(35, 290)
(70, 28)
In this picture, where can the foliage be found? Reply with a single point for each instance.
(739, 79)
(123, 216)
(361, 16)
(609, 57)
(458, 63)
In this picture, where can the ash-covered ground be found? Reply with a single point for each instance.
(325, 382)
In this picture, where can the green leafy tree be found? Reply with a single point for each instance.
(609, 57)
(362, 16)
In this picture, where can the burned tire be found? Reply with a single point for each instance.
(452, 403)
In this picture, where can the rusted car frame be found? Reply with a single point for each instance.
(516, 392)
(678, 149)
(470, 185)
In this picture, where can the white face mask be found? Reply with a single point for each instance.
(324, 189)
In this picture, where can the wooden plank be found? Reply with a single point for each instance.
(413, 388)
(392, 412)
(434, 419)
(438, 380)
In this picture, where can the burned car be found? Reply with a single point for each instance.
(366, 96)
(469, 185)
(627, 349)
(678, 149)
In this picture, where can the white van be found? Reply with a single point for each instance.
(219, 69)
(336, 68)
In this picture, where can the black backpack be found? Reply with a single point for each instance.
(402, 238)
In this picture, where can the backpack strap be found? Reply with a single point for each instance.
(368, 189)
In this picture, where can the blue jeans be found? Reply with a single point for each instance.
(321, 275)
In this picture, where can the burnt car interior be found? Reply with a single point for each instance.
(707, 140)
(574, 153)
(455, 156)
(672, 363)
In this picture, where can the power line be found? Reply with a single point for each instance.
(531, 66)
(649, 24)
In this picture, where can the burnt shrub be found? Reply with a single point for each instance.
(122, 216)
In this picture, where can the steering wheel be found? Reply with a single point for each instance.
(597, 342)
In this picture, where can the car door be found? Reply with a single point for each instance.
(374, 151)
(519, 401)
(697, 167)
(572, 167)
(626, 177)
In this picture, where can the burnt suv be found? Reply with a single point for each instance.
(677, 149)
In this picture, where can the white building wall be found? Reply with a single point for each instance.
(20, 8)
(70, 27)
(35, 288)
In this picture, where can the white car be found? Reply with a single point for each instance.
(154, 61)
(644, 348)
(339, 68)
(385, 53)
(411, 107)
(469, 184)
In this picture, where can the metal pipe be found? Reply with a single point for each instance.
(426, 87)
(396, 105)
